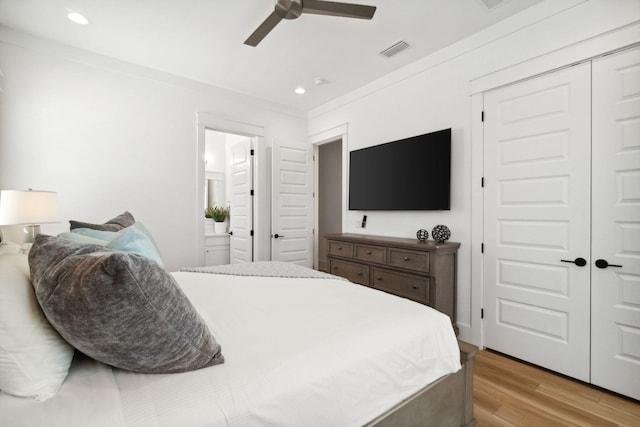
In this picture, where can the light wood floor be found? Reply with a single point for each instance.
(511, 393)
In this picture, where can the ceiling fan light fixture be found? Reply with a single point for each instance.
(78, 18)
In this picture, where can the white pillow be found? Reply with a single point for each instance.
(34, 359)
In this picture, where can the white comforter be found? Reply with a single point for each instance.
(298, 352)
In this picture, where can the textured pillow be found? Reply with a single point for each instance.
(34, 359)
(123, 220)
(121, 309)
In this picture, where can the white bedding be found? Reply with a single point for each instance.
(298, 352)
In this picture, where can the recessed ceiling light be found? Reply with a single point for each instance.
(300, 90)
(78, 18)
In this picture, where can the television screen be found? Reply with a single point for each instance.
(408, 174)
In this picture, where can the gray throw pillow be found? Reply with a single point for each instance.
(123, 220)
(122, 309)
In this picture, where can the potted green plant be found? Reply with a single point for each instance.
(208, 220)
(219, 215)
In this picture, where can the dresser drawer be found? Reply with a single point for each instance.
(357, 273)
(371, 254)
(342, 249)
(409, 286)
(410, 260)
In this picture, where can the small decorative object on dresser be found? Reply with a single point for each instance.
(424, 272)
(422, 235)
(441, 233)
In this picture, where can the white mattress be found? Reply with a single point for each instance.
(298, 352)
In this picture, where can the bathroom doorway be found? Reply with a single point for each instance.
(229, 186)
(233, 172)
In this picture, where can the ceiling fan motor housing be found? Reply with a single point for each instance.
(289, 9)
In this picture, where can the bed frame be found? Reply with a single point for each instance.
(446, 402)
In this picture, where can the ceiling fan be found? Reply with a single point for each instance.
(291, 9)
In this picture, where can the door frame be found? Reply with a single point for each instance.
(262, 189)
(318, 139)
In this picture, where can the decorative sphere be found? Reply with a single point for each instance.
(422, 235)
(441, 233)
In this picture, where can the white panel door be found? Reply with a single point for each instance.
(292, 208)
(537, 220)
(615, 308)
(241, 219)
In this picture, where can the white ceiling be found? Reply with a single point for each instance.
(203, 39)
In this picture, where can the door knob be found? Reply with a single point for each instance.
(277, 236)
(603, 263)
(580, 262)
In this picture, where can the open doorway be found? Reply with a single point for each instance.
(246, 172)
(229, 186)
(329, 195)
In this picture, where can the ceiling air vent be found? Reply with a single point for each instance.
(490, 4)
(394, 49)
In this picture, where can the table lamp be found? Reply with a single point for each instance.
(30, 208)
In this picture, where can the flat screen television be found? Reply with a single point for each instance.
(408, 174)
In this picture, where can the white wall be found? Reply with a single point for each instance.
(437, 92)
(215, 151)
(109, 136)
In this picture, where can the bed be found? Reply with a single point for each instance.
(301, 348)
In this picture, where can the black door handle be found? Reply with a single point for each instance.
(276, 236)
(580, 262)
(603, 263)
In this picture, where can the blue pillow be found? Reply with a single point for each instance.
(136, 239)
(133, 239)
(81, 238)
(105, 236)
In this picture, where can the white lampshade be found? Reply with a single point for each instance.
(28, 207)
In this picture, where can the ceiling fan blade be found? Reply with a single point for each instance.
(346, 10)
(264, 29)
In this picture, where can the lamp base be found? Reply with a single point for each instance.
(30, 233)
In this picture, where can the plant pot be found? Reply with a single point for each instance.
(220, 227)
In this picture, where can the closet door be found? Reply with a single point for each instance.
(615, 309)
(537, 220)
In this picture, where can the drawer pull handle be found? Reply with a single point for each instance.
(406, 258)
(339, 248)
(360, 273)
(416, 287)
(368, 252)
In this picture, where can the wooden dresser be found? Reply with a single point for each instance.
(423, 272)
